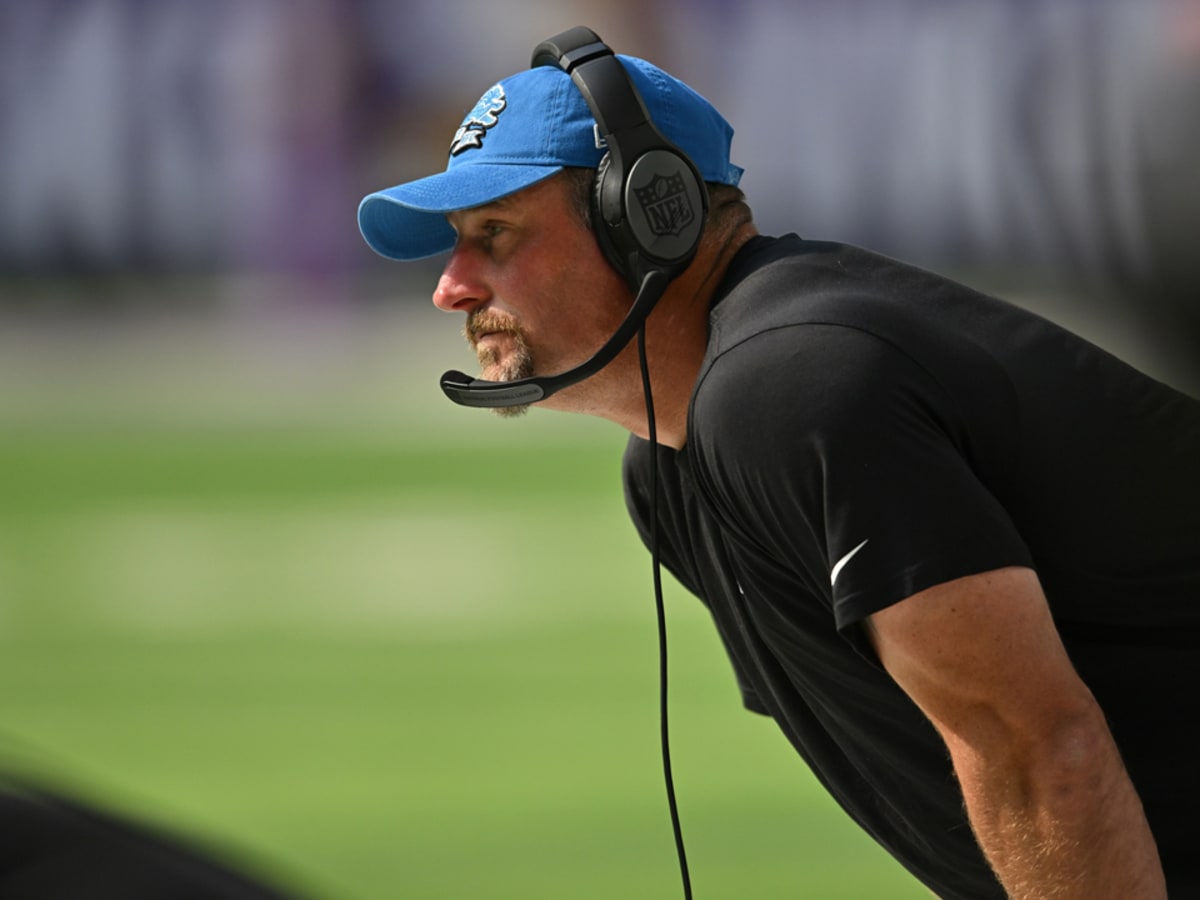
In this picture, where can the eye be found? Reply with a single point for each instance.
(495, 237)
(489, 235)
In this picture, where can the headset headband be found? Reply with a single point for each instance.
(638, 231)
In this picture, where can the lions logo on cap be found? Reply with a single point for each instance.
(479, 121)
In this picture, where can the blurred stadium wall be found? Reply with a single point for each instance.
(1049, 146)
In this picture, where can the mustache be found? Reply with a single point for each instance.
(488, 321)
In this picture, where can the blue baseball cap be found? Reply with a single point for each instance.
(523, 130)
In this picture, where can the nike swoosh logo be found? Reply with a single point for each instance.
(841, 563)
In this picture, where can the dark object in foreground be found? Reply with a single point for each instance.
(54, 848)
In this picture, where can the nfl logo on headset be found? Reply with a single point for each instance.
(666, 206)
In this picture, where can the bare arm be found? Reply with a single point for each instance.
(1046, 792)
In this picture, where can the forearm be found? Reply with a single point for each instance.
(1061, 821)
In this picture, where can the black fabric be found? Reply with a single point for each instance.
(851, 403)
(55, 848)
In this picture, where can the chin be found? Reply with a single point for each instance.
(512, 370)
(501, 374)
(510, 412)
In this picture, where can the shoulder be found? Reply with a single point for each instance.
(834, 335)
(814, 308)
(810, 378)
(790, 281)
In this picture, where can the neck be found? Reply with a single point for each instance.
(676, 340)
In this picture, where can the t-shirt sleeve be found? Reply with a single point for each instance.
(833, 450)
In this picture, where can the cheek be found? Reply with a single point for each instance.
(574, 295)
(589, 302)
(607, 294)
(610, 298)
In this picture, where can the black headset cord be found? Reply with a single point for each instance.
(662, 618)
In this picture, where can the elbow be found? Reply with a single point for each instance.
(1073, 760)
(1058, 761)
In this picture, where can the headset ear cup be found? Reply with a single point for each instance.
(606, 235)
(666, 206)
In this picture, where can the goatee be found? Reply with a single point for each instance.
(497, 366)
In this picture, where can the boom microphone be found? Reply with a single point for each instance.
(467, 391)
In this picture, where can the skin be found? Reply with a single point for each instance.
(1048, 797)
(1045, 789)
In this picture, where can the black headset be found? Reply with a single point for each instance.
(649, 203)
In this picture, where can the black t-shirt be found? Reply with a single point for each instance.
(862, 430)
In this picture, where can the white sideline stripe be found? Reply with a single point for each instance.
(343, 566)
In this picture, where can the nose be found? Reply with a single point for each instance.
(460, 289)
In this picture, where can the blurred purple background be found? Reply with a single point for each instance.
(1044, 146)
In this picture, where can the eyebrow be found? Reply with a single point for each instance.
(496, 205)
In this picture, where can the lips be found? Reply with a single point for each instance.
(486, 348)
(486, 323)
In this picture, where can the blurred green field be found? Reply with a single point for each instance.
(411, 663)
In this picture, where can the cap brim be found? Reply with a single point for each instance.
(408, 221)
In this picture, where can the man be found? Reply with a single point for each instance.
(952, 550)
